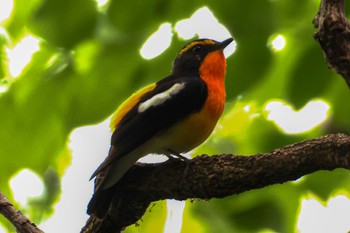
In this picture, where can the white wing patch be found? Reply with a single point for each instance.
(161, 97)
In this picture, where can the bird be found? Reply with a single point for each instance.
(169, 117)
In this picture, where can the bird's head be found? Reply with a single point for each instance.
(192, 58)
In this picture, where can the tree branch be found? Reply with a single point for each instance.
(218, 176)
(334, 36)
(21, 222)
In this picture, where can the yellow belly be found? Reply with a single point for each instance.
(188, 134)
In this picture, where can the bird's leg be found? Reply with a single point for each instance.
(183, 158)
(178, 155)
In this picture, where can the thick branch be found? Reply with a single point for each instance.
(219, 176)
(334, 36)
(21, 222)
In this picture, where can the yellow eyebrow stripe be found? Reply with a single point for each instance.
(194, 43)
(128, 104)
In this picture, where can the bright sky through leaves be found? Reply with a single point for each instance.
(291, 121)
(33, 186)
(21, 54)
(89, 146)
(315, 217)
(278, 43)
(174, 216)
(158, 42)
(202, 23)
(5, 9)
(101, 3)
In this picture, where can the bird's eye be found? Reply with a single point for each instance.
(197, 49)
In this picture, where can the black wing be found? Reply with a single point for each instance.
(136, 128)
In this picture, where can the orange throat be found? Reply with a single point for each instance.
(212, 71)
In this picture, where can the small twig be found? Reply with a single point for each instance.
(21, 222)
(218, 176)
(334, 36)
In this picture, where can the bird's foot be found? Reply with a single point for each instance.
(175, 155)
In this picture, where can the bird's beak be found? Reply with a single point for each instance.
(223, 44)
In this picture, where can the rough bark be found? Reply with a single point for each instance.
(18, 220)
(219, 176)
(334, 36)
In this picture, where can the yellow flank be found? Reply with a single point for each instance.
(128, 104)
(189, 133)
(191, 45)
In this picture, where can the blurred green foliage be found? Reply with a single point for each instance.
(89, 61)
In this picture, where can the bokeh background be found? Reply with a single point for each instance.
(66, 65)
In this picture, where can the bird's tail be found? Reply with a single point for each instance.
(102, 197)
(101, 201)
(108, 182)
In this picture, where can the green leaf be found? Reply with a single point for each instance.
(152, 221)
(325, 183)
(65, 23)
